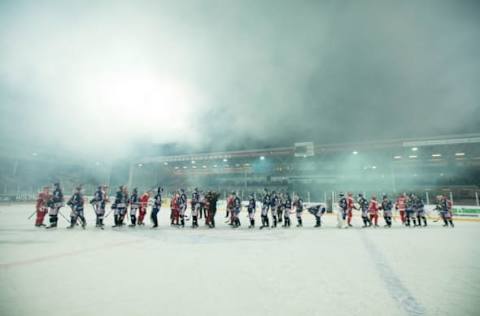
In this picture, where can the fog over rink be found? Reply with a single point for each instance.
(170, 271)
(108, 75)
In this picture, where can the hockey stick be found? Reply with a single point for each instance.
(438, 217)
(111, 210)
(32, 214)
(63, 216)
(77, 217)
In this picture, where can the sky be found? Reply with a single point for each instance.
(96, 77)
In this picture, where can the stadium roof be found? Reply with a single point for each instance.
(463, 139)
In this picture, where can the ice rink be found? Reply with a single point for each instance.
(296, 271)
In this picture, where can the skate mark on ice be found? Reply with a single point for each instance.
(394, 285)
(64, 254)
(21, 242)
(216, 236)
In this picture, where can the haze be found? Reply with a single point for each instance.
(95, 78)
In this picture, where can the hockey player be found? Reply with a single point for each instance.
(342, 211)
(387, 206)
(363, 202)
(280, 208)
(237, 207)
(317, 211)
(134, 205)
(274, 204)
(212, 198)
(41, 206)
(181, 207)
(55, 203)
(287, 208)
(76, 202)
(99, 202)
(252, 207)
(410, 210)
(350, 207)
(444, 206)
(265, 207)
(173, 203)
(373, 210)
(195, 207)
(202, 208)
(174, 209)
(205, 205)
(124, 211)
(400, 205)
(119, 206)
(420, 211)
(143, 207)
(299, 210)
(229, 207)
(157, 205)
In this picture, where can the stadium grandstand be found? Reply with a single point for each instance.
(429, 166)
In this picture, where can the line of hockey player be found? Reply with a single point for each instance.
(410, 207)
(280, 206)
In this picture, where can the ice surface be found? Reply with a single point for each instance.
(170, 271)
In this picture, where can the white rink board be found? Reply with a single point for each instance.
(170, 271)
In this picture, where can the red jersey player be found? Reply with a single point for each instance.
(350, 207)
(175, 210)
(400, 205)
(41, 206)
(373, 210)
(143, 207)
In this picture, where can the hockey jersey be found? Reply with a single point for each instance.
(299, 205)
(183, 199)
(373, 206)
(42, 200)
(252, 205)
(134, 201)
(266, 200)
(144, 200)
(288, 202)
(157, 203)
(99, 198)
(76, 201)
(363, 203)
(401, 203)
(350, 203)
(237, 203)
